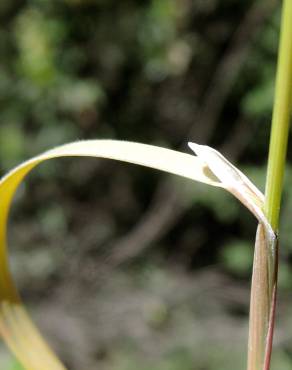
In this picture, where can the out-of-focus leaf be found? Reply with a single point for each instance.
(11, 144)
(16, 366)
(37, 37)
(259, 100)
(237, 257)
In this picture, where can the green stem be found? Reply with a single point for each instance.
(280, 121)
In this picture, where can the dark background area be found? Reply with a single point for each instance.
(124, 267)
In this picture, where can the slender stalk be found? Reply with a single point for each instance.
(264, 280)
(280, 121)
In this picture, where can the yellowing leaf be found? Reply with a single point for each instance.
(209, 167)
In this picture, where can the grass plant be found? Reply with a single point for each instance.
(207, 166)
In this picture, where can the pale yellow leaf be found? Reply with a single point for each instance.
(209, 167)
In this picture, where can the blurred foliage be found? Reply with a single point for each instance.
(16, 366)
(136, 70)
(258, 102)
(237, 257)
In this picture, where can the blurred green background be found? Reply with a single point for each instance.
(123, 267)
